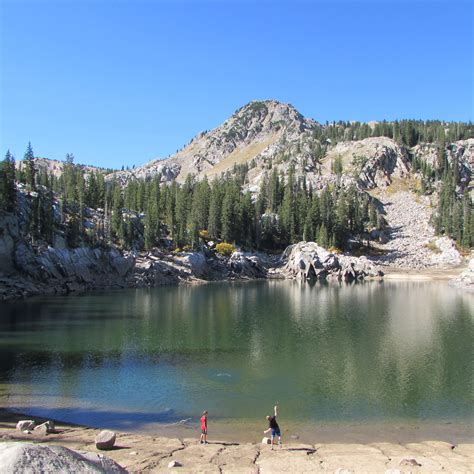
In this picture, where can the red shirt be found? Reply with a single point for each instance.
(203, 422)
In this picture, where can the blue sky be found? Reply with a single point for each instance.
(122, 82)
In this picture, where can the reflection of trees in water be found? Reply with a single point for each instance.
(329, 350)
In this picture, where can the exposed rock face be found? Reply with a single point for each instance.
(195, 263)
(462, 151)
(63, 270)
(267, 133)
(251, 130)
(247, 265)
(307, 260)
(105, 440)
(18, 457)
(466, 279)
(374, 162)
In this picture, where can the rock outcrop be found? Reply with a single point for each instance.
(18, 457)
(39, 270)
(465, 280)
(247, 265)
(307, 261)
(461, 152)
(373, 162)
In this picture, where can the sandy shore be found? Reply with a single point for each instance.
(137, 452)
(428, 274)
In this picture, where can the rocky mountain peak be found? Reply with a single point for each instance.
(272, 113)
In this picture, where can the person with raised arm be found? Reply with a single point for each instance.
(273, 426)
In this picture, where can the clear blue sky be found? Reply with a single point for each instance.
(122, 82)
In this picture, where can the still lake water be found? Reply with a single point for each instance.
(377, 352)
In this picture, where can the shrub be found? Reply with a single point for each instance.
(225, 249)
(433, 247)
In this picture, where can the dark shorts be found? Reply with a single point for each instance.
(275, 433)
(204, 430)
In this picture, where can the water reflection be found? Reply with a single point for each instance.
(368, 351)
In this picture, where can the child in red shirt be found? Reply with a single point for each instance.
(204, 428)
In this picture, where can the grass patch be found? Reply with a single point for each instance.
(240, 156)
(433, 247)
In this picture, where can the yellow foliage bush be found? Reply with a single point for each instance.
(224, 248)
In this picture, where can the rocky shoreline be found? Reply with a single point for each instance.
(138, 452)
(33, 271)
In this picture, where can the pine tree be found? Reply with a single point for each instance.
(151, 224)
(322, 238)
(228, 215)
(7, 183)
(214, 220)
(467, 212)
(117, 224)
(30, 169)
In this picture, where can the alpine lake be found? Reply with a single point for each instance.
(373, 360)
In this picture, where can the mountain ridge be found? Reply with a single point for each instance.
(267, 134)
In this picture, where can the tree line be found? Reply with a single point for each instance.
(145, 213)
(405, 132)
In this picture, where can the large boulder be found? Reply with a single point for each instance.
(18, 457)
(25, 425)
(247, 265)
(195, 262)
(308, 260)
(105, 440)
(44, 428)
